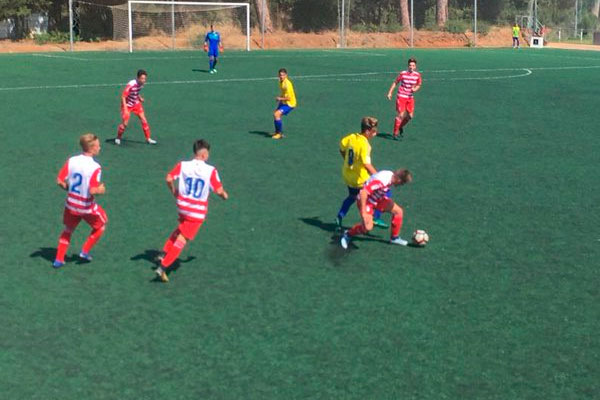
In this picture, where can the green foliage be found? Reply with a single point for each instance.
(457, 26)
(51, 37)
(589, 22)
(483, 27)
(314, 15)
(429, 22)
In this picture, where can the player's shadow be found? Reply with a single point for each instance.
(316, 222)
(260, 133)
(387, 136)
(151, 256)
(200, 70)
(336, 233)
(124, 141)
(49, 253)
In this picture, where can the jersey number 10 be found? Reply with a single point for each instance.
(194, 187)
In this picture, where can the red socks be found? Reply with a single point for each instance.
(398, 123)
(173, 253)
(396, 225)
(92, 240)
(357, 229)
(63, 245)
(120, 130)
(170, 241)
(146, 129)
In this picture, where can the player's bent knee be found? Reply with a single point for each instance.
(397, 210)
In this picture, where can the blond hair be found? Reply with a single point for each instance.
(86, 141)
(368, 123)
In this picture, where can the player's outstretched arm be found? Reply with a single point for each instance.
(222, 193)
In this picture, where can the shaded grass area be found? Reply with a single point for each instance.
(503, 303)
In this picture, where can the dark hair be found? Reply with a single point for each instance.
(404, 175)
(282, 70)
(412, 59)
(201, 144)
(368, 123)
(141, 72)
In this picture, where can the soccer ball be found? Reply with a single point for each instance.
(420, 238)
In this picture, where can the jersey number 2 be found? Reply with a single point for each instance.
(194, 187)
(77, 178)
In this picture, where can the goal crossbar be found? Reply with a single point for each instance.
(186, 3)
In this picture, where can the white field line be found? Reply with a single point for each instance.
(58, 56)
(201, 56)
(353, 52)
(560, 56)
(346, 76)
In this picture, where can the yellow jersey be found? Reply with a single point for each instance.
(287, 90)
(516, 31)
(357, 153)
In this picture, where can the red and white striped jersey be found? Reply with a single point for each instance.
(407, 81)
(81, 173)
(377, 185)
(196, 179)
(132, 91)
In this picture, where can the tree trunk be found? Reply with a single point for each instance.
(596, 8)
(260, 6)
(405, 15)
(442, 13)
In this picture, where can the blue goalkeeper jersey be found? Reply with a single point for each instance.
(213, 38)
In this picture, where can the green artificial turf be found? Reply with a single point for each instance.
(502, 304)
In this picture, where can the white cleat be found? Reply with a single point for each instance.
(118, 141)
(151, 141)
(399, 241)
(345, 240)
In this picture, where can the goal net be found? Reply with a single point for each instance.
(183, 25)
(159, 25)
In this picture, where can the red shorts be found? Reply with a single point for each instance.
(96, 219)
(404, 104)
(381, 205)
(137, 110)
(188, 228)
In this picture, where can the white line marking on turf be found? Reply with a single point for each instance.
(467, 78)
(528, 71)
(352, 52)
(63, 57)
(201, 56)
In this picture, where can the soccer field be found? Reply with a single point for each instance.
(503, 303)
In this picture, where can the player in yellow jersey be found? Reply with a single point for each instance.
(516, 32)
(357, 168)
(286, 102)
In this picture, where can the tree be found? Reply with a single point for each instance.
(596, 8)
(441, 15)
(404, 13)
(263, 5)
(18, 10)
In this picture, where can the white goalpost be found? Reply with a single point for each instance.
(168, 17)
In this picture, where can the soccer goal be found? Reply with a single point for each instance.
(179, 25)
